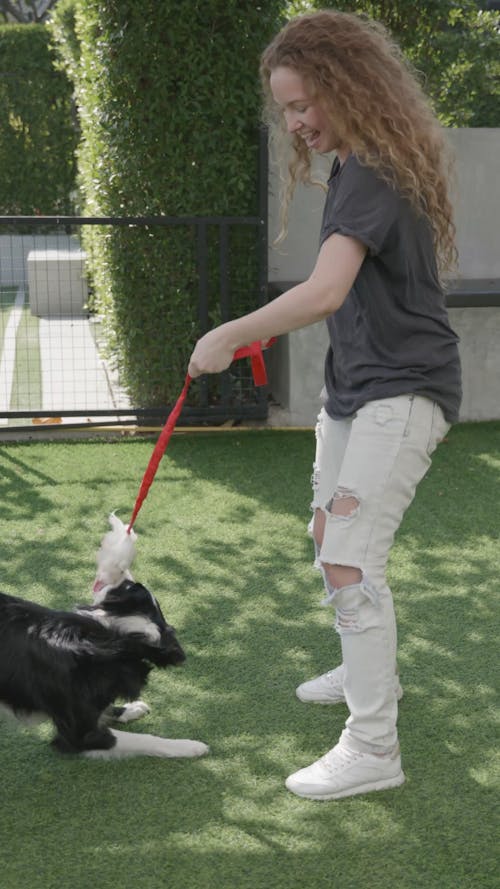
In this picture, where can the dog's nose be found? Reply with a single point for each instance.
(178, 653)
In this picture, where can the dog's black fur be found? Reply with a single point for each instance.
(72, 666)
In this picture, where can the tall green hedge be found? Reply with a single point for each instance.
(37, 134)
(454, 45)
(169, 107)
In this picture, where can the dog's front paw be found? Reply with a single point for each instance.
(132, 711)
(196, 748)
(180, 748)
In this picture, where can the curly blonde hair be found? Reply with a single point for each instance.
(359, 75)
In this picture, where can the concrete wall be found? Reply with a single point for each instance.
(477, 201)
(296, 365)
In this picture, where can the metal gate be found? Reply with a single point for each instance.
(56, 369)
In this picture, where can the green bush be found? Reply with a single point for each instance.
(454, 46)
(37, 136)
(169, 109)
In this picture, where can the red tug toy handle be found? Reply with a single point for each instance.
(254, 352)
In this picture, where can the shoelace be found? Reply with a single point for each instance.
(335, 679)
(340, 756)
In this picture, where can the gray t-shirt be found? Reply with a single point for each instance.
(391, 336)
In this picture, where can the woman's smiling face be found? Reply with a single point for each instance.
(304, 115)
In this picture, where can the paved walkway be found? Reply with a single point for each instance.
(73, 375)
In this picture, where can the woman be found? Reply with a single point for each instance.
(392, 372)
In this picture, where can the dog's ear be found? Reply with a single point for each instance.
(169, 651)
(166, 652)
(128, 597)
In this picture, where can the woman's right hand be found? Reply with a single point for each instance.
(213, 353)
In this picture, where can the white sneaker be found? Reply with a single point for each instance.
(344, 772)
(329, 688)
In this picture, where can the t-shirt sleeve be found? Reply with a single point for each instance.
(362, 206)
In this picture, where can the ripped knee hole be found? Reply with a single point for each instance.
(343, 504)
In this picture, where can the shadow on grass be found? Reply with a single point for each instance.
(223, 546)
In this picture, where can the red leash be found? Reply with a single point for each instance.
(254, 352)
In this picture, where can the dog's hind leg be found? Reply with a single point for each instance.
(90, 738)
(132, 744)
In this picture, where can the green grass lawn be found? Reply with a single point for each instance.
(26, 379)
(222, 544)
(7, 298)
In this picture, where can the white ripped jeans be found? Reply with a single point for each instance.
(376, 459)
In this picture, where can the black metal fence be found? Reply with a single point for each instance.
(56, 368)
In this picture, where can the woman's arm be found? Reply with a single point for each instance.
(339, 261)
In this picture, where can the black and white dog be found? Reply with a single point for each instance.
(72, 666)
